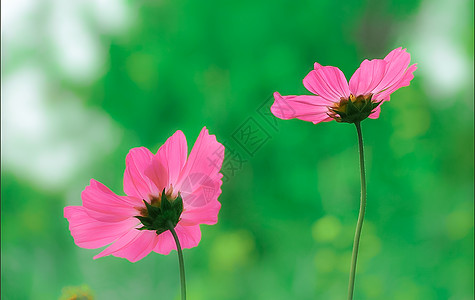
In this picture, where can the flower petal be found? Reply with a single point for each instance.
(203, 165)
(375, 113)
(172, 157)
(405, 80)
(157, 173)
(90, 233)
(136, 183)
(103, 205)
(189, 237)
(206, 214)
(367, 77)
(327, 82)
(134, 245)
(198, 189)
(307, 108)
(397, 63)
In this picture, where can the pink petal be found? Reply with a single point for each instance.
(397, 63)
(103, 205)
(90, 233)
(197, 190)
(327, 82)
(405, 80)
(136, 183)
(307, 108)
(172, 156)
(134, 245)
(189, 237)
(206, 214)
(375, 113)
(157, 173)
(203, 165)
(317, 66)
(367, 77)
(165, 243)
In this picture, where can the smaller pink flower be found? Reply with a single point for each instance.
(372, 83)
(132, 224)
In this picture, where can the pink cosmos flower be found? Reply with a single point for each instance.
(189, 188)
(372, 83)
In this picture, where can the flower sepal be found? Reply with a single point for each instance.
(354, 109)
(157, 217)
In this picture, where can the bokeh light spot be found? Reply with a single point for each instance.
(231, 250)
(326, 229)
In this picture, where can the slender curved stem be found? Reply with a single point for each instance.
(359, 224)
(180, 260)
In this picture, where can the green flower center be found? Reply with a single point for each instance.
(353, 109)
(159, 211)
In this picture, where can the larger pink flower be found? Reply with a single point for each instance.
(106, 218)
(372, 83)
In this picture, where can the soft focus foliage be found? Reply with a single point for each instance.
(85, 81)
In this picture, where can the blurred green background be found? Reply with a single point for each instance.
(85, 81)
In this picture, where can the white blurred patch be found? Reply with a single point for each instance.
(18, 27)
(48, 142)
(65, 33)
(48, 135)
(76, 50)
(79, 51)
(17, 17)
(445, 68)
(438, 48)
(111, 15)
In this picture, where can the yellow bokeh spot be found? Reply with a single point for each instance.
(82, 292)
(326, 229)
(232, 250)
(370, 245)
(459, 223)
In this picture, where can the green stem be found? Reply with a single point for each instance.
(180, 260)
(359, 224)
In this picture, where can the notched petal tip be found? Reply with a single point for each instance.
(90, 233)
(328, 82)
(204, 163)
(367, 77)
(398, 55)
(209, 138)
(206, 132)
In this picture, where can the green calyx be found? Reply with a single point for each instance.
(354, 110)
(157, 215)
